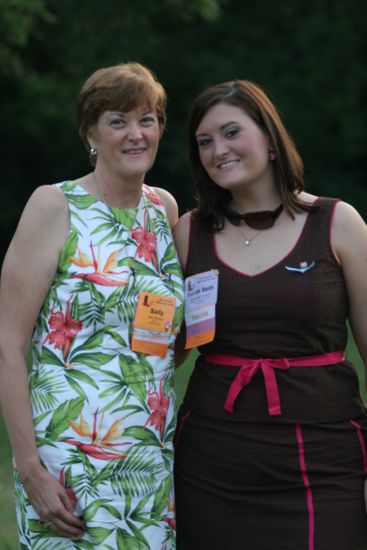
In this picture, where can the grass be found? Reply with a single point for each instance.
(8, 534)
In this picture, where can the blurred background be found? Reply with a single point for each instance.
(309, 56)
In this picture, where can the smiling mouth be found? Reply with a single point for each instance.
(227, 164)
(136, 151)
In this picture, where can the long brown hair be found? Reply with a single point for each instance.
(287, 165)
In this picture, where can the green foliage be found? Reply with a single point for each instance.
(18, 19)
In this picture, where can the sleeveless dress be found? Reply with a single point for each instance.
(252, 480)
(104, 415)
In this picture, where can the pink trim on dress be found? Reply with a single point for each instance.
(362, 442)
(303, 230)
(330, 241)
(306, 482)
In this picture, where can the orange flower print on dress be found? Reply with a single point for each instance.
(64, 329)
(100, 447)
(147, 242)
(105, 276)
(158, 403)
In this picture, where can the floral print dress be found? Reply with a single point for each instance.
(104, 415)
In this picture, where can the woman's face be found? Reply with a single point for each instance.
(126, 142)
(232, 148)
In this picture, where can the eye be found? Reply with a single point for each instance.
(232, 133)
(148, 120)
(204, 142)
(117, 121)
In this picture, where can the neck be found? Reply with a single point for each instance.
(117, 192)
(252, 202)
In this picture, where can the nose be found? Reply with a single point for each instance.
(134, 131)
(220, 148)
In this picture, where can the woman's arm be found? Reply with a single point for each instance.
(28, 271)
(349, 240)
(181, 235)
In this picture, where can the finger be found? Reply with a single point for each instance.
(67, 502)
(69, 518)
(65, 529)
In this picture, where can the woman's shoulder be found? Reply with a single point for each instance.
(160, 196)
(46, 201)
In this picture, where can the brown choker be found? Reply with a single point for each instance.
(263, 219)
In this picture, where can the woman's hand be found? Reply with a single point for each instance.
(52, 503)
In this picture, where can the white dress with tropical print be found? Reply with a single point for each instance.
(104, 415)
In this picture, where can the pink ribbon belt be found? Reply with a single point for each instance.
(249, 368)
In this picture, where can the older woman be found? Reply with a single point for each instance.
(91, 278)
(271, 448)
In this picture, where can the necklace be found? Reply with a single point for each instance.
(98, 191)
(248, 240)
(263, 219)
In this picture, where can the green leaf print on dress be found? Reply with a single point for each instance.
(104, 416)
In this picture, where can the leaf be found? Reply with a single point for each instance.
(99, 534)
(92, 360)
(170, 254)
(92, 342)
(81, 201)
(145, 435)
(172, 269)
(40, 417)
(77, 388)
(44, 387)
(161, 497)
(82, 376)
(116, 337)
(90, 511)
(127, 542)
(134, 376)
(68, 251)
(49, 358)
(84, 544)
(138, 267)
(125, 216)
(139, 474)
(70, 410)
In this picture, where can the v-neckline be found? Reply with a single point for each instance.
(276, 264)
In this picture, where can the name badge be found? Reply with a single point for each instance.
(201, 293)
(153, 323)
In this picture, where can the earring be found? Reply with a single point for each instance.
(272, 155)
(93, 151)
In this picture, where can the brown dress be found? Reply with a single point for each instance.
(248, 480)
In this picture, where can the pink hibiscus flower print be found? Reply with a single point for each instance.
(158, 403)
(64, 329)
(147, 242)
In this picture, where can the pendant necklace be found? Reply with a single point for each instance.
(248, 240)
(98, 191)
